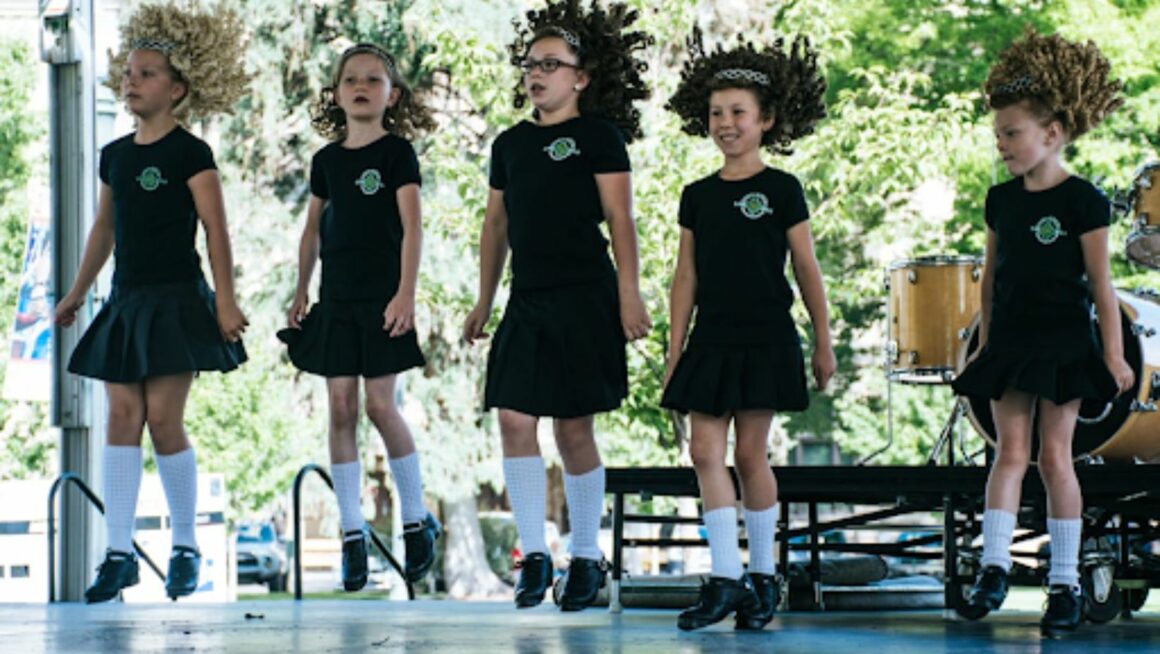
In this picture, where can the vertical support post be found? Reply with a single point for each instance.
(614, 605)
(66, 38)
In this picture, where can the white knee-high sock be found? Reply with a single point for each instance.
(122, 470)
(998, 527)
(1065, 540)
(724, 552)
(409, 486)
(585, 495)
(760, 527)
(527, 488)
(179, 477)
(347, 478)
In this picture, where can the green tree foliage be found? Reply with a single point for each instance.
(26, 444)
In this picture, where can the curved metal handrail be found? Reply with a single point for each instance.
(378, 543)
(71, 477)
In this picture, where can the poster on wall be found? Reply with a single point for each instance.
(29, 371)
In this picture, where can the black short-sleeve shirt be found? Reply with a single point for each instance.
(1040, 277)
(547, 175)
(361, 229)
(739, 234)
(154, 217)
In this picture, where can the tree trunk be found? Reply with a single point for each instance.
(464, 563)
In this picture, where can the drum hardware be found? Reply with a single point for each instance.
(944, 437)
(1138, 329)
(1100, 418)
(912, 358)
(1143, 407)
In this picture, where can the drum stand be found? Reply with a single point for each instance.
(945, 436)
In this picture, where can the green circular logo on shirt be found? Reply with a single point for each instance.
(562, 148)
(370, 181)
(1048, 230)
(753, 205)
(150, 179)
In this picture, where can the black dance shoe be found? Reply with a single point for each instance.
(184, 566)
(119, 570)
(419, 538)
(535, 577)
(1064, 611)
(354, 560)
(768, 591)
(719, 597)
(988, 593)
(584, 579)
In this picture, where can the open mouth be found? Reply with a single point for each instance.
(359, 99)
(537, 88)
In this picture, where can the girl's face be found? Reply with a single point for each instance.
(148, 85)
(1022, 140)
(364, 91)
(552, 77)
(735, 121)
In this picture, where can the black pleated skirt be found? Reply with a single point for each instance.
(346, 339)
(1056, 376)
(719, 378)
(1057, 360)
(559, 353)
(152, 331)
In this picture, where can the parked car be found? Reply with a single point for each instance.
(261, 556)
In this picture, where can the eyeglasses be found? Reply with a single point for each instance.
(549, 66)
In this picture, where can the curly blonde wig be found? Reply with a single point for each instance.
(408, 117)
(205, 47)
(1059, 79)
(788, 86)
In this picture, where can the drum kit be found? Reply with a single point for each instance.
(932, 331)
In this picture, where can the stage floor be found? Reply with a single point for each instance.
(485, 627)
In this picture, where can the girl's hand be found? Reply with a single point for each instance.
(476, 321)
(634, 317)
(1121, 372)
(66, 309)
(824, 363)
(298, 311)
(399, 316)
(231, 321)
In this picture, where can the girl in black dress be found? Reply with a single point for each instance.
(743, 360)
(559, 350)
(162, 323)
(364, 222)
(1046, 259)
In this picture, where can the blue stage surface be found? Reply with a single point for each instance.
(486, 627)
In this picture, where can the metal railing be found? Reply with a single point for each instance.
(378, 543)
(60, 481)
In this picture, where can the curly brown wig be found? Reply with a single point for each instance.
(1059, 79)
(788, 86)
(608, 51)
(408, 117)
(205, 47)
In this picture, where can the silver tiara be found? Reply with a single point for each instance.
(152, 44)
(744, 74)
(1021, 83)
(571, 38)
